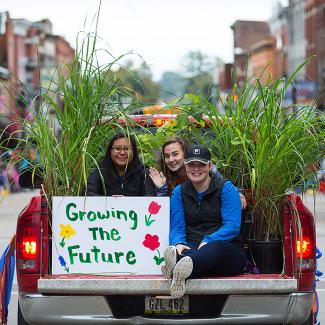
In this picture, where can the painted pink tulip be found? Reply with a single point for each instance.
(154, 207)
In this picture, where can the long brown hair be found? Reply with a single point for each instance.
(171, 177)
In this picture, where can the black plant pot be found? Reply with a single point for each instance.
(267, 255)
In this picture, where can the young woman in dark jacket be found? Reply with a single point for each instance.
(120, 172)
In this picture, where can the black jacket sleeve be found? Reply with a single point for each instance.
(149, 186)
(94, 184)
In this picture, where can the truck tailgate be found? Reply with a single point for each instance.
(158, 285)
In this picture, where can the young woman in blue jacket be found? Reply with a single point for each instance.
(204, 226)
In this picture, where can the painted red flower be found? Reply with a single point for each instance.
(151, 242)
(154, 207)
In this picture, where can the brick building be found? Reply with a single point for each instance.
(246, 34)
(225, 77)
(296, 37)
(63, 53)
(268, 57)
(4, 95)
(314, 11)
(292, 35)
(279, 29)
(306, 38)
(31, 54)
(7, 58)
(262, 59)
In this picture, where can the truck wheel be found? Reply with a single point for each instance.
(21, 319)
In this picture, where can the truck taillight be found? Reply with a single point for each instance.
(32, 244)
(305, 243)
(29, 248)
(305, 254)
(304, 248)
(27, 244)
(299, 243)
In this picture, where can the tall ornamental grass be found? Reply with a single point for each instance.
(262, 147)
(85, 97)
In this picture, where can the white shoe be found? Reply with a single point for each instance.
(182, 271)
(170, 256)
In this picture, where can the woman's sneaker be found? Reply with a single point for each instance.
(170, 256)
(182, 271)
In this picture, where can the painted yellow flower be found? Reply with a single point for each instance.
(67, 231)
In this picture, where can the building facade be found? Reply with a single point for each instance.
(31, 54)
(225, 77)
(296, 37)
(246, 34)
(279, 29)
(262, 60)
(292, 35)
(315, 44)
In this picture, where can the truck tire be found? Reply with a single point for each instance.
(20, 319)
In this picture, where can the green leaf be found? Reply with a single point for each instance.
(158, 260)
(62, 243)
(148, 222)
(235, 142)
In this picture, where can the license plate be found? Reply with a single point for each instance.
(166, 306)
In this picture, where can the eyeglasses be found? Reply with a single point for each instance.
(119, 149)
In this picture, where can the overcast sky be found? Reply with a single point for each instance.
(160, 31)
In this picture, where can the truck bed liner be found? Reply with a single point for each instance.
(158, 285)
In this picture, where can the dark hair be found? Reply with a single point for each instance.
(120, 136)
(171, 177)
(135, 160)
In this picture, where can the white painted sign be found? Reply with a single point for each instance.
(111, 235)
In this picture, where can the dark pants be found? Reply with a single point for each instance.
(217, 258)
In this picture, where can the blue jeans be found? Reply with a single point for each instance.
(217, 258)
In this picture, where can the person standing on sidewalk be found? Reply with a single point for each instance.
(204, 226)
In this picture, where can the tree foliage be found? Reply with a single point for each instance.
(199, 74)
(138, 86)
(172, 85)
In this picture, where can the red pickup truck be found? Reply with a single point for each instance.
(46, 298)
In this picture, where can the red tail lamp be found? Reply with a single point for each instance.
(304, 248)
(29, 249)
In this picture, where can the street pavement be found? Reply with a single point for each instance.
(11, 205)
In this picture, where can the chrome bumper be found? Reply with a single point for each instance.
(251, 309)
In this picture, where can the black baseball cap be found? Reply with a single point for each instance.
(197, 153)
